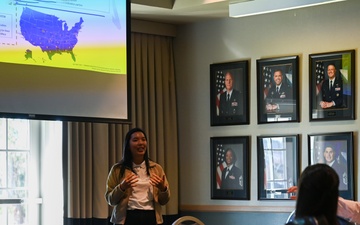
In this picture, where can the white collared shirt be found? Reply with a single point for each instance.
(228, 168)
(229, 93)
(333, 82)
(142, 195)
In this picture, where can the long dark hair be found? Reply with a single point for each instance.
(318, 193)
(127, 159)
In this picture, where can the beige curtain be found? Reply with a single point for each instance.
(92, 148)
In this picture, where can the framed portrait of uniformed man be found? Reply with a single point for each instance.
(335, 150)
(332, 83)
(229, 93)
(277, 89)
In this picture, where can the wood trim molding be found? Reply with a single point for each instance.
(237, 208)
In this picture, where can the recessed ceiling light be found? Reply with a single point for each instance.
(257, 7)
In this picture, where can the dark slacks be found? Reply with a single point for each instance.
(140, 217)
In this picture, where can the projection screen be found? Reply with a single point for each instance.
(65, 60)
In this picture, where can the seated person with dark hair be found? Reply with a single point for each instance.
(346, 208)
(317, 197)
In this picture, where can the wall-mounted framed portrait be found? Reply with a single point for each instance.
(229, 93)
(332, 83)
(278, 166)
(278, 89)
(336, 150)
(230, 168)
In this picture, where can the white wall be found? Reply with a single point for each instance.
(326, 28)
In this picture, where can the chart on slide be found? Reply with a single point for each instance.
(75, 34)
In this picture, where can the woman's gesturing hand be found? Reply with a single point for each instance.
(158, 182)
(129, 181)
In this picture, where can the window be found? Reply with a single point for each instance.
(276, 163)
(24, 168)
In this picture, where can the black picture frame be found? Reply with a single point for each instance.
(341, 144)
(237, 186)
(278, 166)
(281, 105)
(342, 95)
(234, 111)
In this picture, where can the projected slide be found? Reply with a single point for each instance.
(73, 34)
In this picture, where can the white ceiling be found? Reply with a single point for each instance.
(189, 11)
(179, 11)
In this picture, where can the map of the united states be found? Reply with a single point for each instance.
(49, 33)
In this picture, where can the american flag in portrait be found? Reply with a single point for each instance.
(220, 163)
(220, 88)
(320, 75)
(266, 76)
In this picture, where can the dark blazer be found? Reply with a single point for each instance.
(232, 107)
(334, 94)
(234, 180)
(285, 92)
(341, 171)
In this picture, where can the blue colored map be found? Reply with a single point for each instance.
(49, 32)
